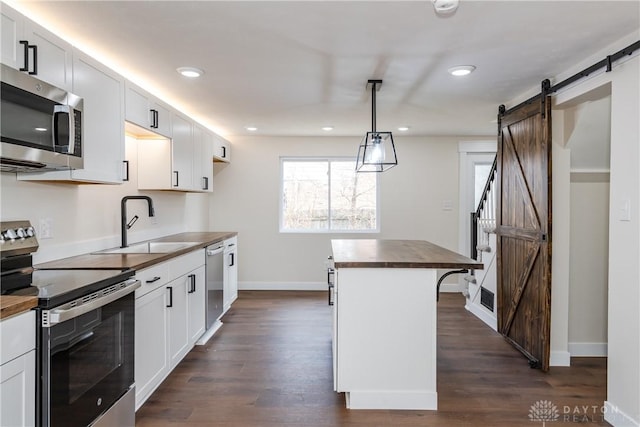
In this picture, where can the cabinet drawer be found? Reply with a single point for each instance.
(184, 264)
(17, 336)
(152, 278)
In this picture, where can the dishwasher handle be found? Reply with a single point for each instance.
(215, 251)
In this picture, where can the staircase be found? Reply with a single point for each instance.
(480, 292)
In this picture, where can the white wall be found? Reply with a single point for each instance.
(589, 262)
(246, 199)
(86, 217)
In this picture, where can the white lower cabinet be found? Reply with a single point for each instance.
(178, 320)
(18, 370)
(170, 317)
(230, 272)
(196, 305)
(151, 360)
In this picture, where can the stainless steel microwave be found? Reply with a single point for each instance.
(41, 125)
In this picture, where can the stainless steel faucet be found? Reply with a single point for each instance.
(124, 225)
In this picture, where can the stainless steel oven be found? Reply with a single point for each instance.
(84, 335)
(87, 358)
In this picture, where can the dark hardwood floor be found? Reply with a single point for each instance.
(270, 365)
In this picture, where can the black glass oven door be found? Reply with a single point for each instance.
(87, 364)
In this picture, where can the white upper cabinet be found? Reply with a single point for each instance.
(144, 110)
(221, 150)
(182, 153)
(28, 47)
(167, 164)
(203, 159)
(183, 163)
(103, 125)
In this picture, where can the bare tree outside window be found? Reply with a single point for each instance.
(327, 195)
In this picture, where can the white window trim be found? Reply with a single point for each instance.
(329, 159)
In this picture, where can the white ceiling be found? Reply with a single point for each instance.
(291, 67)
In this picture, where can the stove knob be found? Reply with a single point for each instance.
(10, 234)
(30, 231)
(21, 233)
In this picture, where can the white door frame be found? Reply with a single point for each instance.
(470, 152)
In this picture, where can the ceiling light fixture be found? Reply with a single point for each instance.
(445, 7)
(190, 72)
(461, 70)
(327, 128)
(376, 152)
(403, 128)
(251, 128)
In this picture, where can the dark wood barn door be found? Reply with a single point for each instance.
(524, 230)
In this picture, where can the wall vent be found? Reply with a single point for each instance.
(486, 298)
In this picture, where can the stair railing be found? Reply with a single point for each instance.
(484, 215)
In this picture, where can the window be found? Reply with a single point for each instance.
(327, 195)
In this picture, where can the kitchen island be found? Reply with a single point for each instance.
(384, 321)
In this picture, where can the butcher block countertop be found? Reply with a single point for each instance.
(13, 304)
(138, 261)
(376, 253)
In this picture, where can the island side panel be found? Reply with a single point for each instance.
(386, 337)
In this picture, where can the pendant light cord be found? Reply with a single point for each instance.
(373, 107)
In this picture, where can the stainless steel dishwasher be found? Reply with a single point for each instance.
(214, 301)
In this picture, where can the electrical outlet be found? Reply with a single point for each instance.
(45, 231)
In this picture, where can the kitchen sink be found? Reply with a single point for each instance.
(149, 248)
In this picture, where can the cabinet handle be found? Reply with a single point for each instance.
(155, 279)
(232, 256)
(330, 272)
(224, 152)
(35, 60)
(126, 170)
(170, 296)
(205, 182)
(177, 179)
(154, 119)
(25, 44)
(192, 287)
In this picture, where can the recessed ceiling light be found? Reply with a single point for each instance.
(461, 70)
(251, 128)
(403, 128)
(327, 128)
(445, 7)
(191, 72)
(40, 129)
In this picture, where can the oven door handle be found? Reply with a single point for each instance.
(59, 315)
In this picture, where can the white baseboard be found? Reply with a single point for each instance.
(559, 358)
(617, 418)
(401, 400)
(209, 333)
(282, 286)
(588, 349)
(481, 314)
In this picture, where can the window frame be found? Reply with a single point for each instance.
(328, 230)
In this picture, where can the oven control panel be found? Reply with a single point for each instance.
(17, 238)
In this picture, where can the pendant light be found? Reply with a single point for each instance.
(376, 152)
